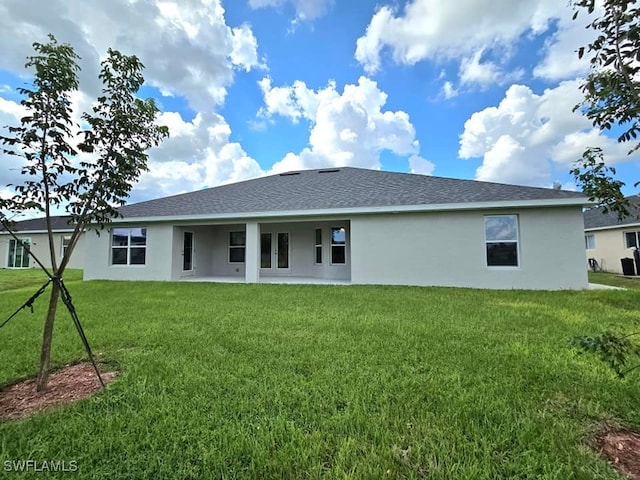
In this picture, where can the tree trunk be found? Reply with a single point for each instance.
(45, 353)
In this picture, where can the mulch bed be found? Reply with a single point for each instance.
(70, 383)
(622, 449)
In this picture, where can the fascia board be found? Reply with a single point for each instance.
(563, 202)
(35, 232)
(613, 227)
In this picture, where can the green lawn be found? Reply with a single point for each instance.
(304, 382)
(614, 279)
(34, 278)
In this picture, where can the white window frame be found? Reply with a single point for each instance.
(515, 241)
(589, 241)
(318, 246)
(64, 245)
(636, 235)
(242, 247)
(337, 245)
(128, 247)
(19, 244)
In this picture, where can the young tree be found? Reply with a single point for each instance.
(611, 99)
(119, 130)
(612, 94)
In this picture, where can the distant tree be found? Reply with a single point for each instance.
(611, 94)
(118, 131)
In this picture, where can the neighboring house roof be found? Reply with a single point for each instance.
(345, 188)
(58, 224)
(594, 218)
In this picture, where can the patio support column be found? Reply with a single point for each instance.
(252, 253)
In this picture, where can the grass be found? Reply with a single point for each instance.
(615, 280)
(307, 382)
(33, 278)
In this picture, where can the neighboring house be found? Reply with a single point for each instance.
(350, 225)
(34, 233)
(608, 239)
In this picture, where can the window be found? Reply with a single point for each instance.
(590, 241)
(18, 253)
(631, 239)
(265, 250)
(318, 246)
(66, 239)
(501, 238)
(338, 245)
(187, 251)
(237, 243)
(128, 246)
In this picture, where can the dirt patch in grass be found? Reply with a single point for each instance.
(70, 383)
(622, 449)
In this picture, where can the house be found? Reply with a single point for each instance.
(34, 233)
(608, 239)
(354, 226)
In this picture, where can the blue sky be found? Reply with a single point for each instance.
(478, 89)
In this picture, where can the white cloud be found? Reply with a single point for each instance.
(294, 102)
(428, 29)
(245, 48)
(465, 31)
(212, 159)
(417, 164)
(280, 100)
(187, 47)
(188, 51)
(473, 71)
(448, 90)
(348, 128)
(305, 9)
(369, 46)
(10, 112)
(561, 60)
(527, 136)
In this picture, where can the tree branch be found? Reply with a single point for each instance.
(621, 65)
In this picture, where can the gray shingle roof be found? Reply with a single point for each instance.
(344, 187)
(39, 224)
(595, 218)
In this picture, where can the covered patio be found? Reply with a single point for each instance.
(273, 280)
(298, 252)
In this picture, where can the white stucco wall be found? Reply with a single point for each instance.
(220, 251)
(610, 247)
(434, 248)
(448, 249)
(40, 247)
(158, 263)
